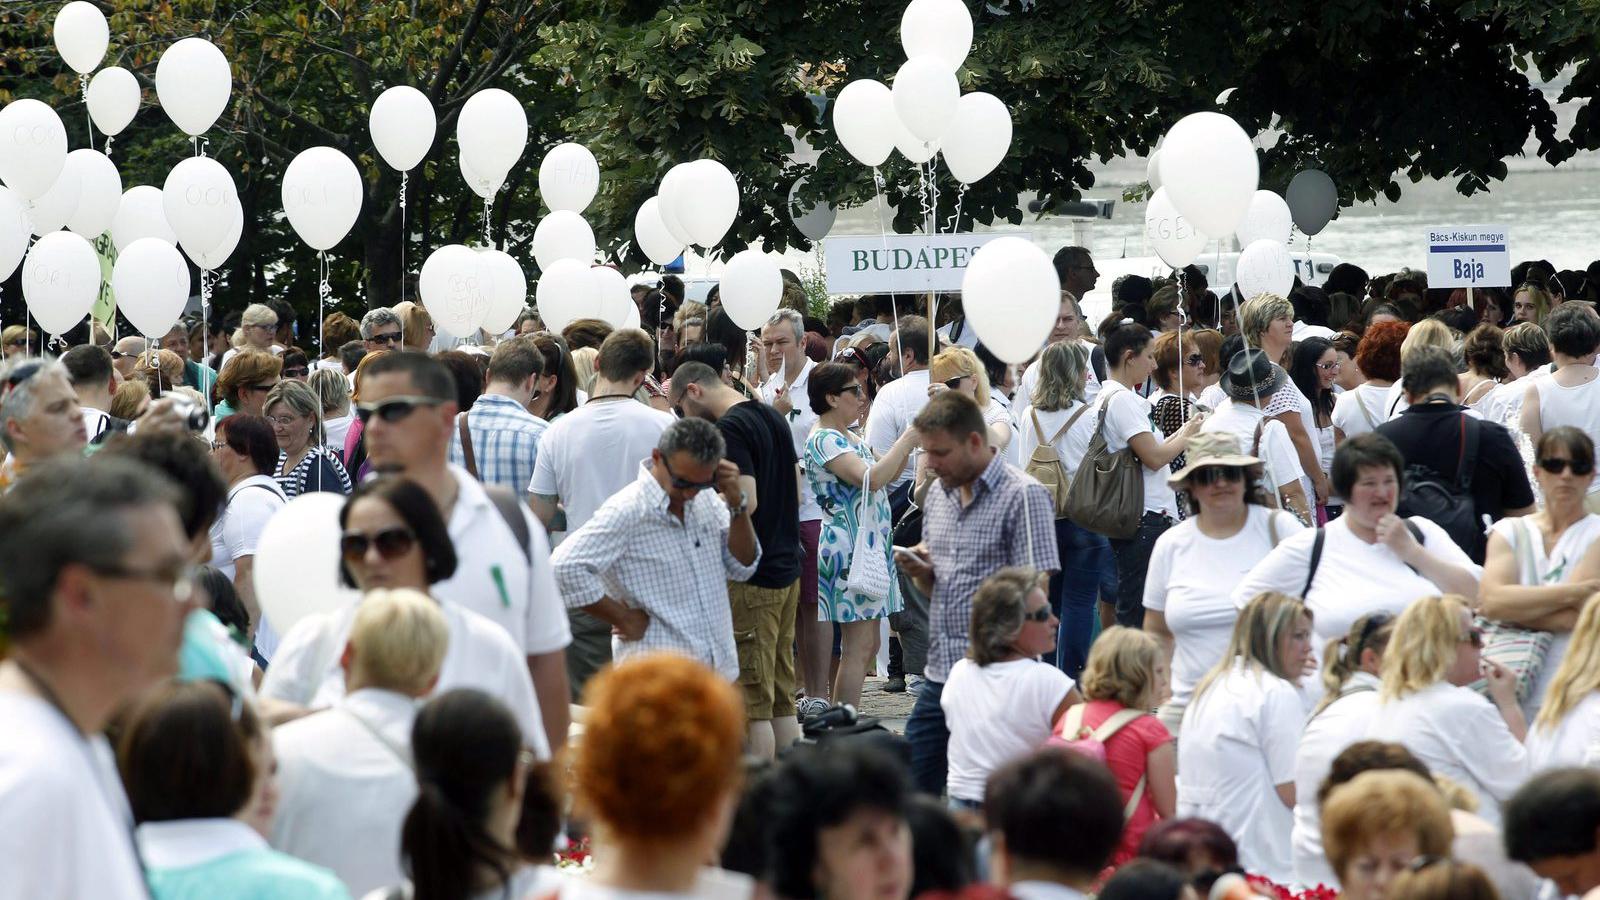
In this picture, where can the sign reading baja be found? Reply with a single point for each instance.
(1469, 256)
(903, 263)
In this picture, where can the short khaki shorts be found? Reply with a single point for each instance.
(763, 631)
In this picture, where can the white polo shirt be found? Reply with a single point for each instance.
(493, 577)
(592, 452)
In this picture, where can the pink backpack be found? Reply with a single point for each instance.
(1073, 735)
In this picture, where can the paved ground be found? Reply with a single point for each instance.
(892, 709)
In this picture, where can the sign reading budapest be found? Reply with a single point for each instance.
(903, 263)
(1469, 256)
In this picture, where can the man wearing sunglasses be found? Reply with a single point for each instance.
(502, 572)
(93, 566)
(39, 415)
(655, 560)
(380, 329)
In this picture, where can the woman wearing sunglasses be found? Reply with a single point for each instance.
(393, 537)
(1541, 567)
(1424, 703)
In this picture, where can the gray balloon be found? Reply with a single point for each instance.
(815, 221)
(1312, 200)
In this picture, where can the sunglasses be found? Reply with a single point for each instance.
(392, 543)
(683, 484)
(392, 338)
(953, 383)
(1042, 614)
(1210, 475)
(1556, 466)
(856, 389)
(393, 409)
(1194, 360)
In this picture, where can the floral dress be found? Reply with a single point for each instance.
(840, 502)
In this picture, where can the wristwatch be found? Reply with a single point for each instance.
(744, 504)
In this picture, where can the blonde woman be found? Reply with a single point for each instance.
(1350, 667)
(416, 326)
(1424, 703)
(1267, 323)
(1567, 730)
(1127, 677)
(1530, 304)
(1427, 333)
(257, 327)
(959, 369)
(1241, 731)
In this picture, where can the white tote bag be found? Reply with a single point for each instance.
(869, 560)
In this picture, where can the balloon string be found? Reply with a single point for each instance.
(955, 220)
(405, 180)
(883, 233)
(108, 146)
(324, 294)
(205, 330)
(83, 89)
(488, 234)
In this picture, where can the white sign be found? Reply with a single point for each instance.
(1468, 256)
(903, 263)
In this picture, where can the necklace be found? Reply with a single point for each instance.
(611, 397)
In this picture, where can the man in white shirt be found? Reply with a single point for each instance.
(590, 454)
(93, 567)
(347, 770)
(654, 561)
(502, 570)
(90, 370)
(1030, 803)
(899, 401)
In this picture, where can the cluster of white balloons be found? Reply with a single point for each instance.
(465, 289)
(925, 113)
(695, 204)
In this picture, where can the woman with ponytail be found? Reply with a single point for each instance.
(1350, 667)
(1567, 731)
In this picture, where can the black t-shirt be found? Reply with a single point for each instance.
(761, 445)
(1430, 435)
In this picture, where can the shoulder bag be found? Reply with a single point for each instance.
(1107, 493)
(1521, 650)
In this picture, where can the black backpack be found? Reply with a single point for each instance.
(1448, 503)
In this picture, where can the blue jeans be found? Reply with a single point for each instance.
(929, 740)
(1133, 558)
(1085, 556)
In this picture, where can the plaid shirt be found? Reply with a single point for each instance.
(1010, 522)
(505, 442)
(636, 552)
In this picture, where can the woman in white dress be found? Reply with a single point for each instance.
(1240, 734)
(1567, 731)
(1539, 569)
(1424, 704)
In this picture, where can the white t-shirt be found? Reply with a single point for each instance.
(234, 535)
(339, 777)
(1023, 398)
(594, 451)
(1354, 577)
(1573, 741)
(64, 825)
(800, 420)
(1553, 567)
(997, 713)
(1213, 396)
(1072, 444)
(1277, 454)
(1361, 410)
(1239, 742)
(494, 577)
(1128, 414)
(897, 403)
(1457, 732)
(335, 430)
(1577, 405)
(1191, 579)
(1327, 735)
(480, 655)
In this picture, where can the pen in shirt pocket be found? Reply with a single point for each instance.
(499, 576)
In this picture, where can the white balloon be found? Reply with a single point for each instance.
(51, 211)
(612, 298)
(1209, 168)
(913, 148)
(99, 194)
(15, 231)
(113, 99)
(214, 256)
(1169, 233)
(569, 176)
(1264, 267)
(674, 194)
(193, 83)
(563, 235)
(655, 240)
(492, 132)
(1152, 170)
(197, 198)
(1267, 219)
(925, 96)
(979, 138)
(297, 562)
(457, 287)
(706, 201)
(140, 215)
(942, 28)
(322, 196)
(1011, 294)
(482, 185)
(751, 289)
(564, 292)
(151, 284)
(510, 296)
(403, 125)
(60, 280)
(82, 34)
(33, 147)
(863, 118)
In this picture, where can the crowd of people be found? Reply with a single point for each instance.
(1298, 589)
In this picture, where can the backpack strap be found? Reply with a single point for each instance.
(1072, 722)
(1255, 443)
(1470, 433)
(1372, 422)
(1071, 420)
(1114, 723)
(1316, 559)
(510, 509)
(466, 445)
(1038, 430)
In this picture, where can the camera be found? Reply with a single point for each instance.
(193, 414)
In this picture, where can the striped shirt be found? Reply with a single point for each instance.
(505, 442)
(318, 470)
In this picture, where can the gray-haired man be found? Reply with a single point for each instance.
(39, 415)
(380, 329)
(654, 559)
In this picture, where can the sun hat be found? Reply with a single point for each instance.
(1211, 448)
(1251, 375)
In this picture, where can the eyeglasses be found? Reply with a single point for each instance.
(683, 484)
(856, 389)
(1209, 475)
(1194, 360)
(285, 421)
(392, 543)
(392, 337)
(1329, 367)
(1042, 614)
(1556, 466)
(179, 580)
(395, 408)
